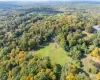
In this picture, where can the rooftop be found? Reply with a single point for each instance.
(96, 27)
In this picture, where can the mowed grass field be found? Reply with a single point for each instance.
(57, 55)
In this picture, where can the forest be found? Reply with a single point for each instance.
(50, 40)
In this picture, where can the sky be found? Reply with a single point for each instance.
(49, 0)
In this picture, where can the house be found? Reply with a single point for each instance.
(96, 28)
(53, 39)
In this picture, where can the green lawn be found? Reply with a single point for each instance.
(57, 55)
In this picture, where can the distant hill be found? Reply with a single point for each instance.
(7, 5)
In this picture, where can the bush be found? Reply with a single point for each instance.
(89, 70)
(94, 70)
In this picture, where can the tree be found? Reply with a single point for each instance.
(98, 76)
(57, 70)
(41, 76)
(96, 42)
(82, 76)
(32, 44)
(4, 51)
(21, 54)
(23, 78)
(75, 53)
(13, 53)
(61, 41)
(3, 73)
(70, 77)
(68, 72)
(24, 43)
(95, 52)
(89, 28)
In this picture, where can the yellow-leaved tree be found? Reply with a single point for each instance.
(29, 77)
(98, 76)
(72, 71)
(95, 52)
(70, 77)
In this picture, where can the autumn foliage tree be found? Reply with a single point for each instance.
(95, 52)
(70, 77)
(98, 76)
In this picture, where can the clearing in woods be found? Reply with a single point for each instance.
(57, 54)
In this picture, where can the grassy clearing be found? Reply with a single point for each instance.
(86, 62)
(57, 55)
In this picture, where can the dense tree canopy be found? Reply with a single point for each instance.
(27, 28)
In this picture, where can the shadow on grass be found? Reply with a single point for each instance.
(83, 56)
(41, 46)
(81, 64)
(82, 71)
